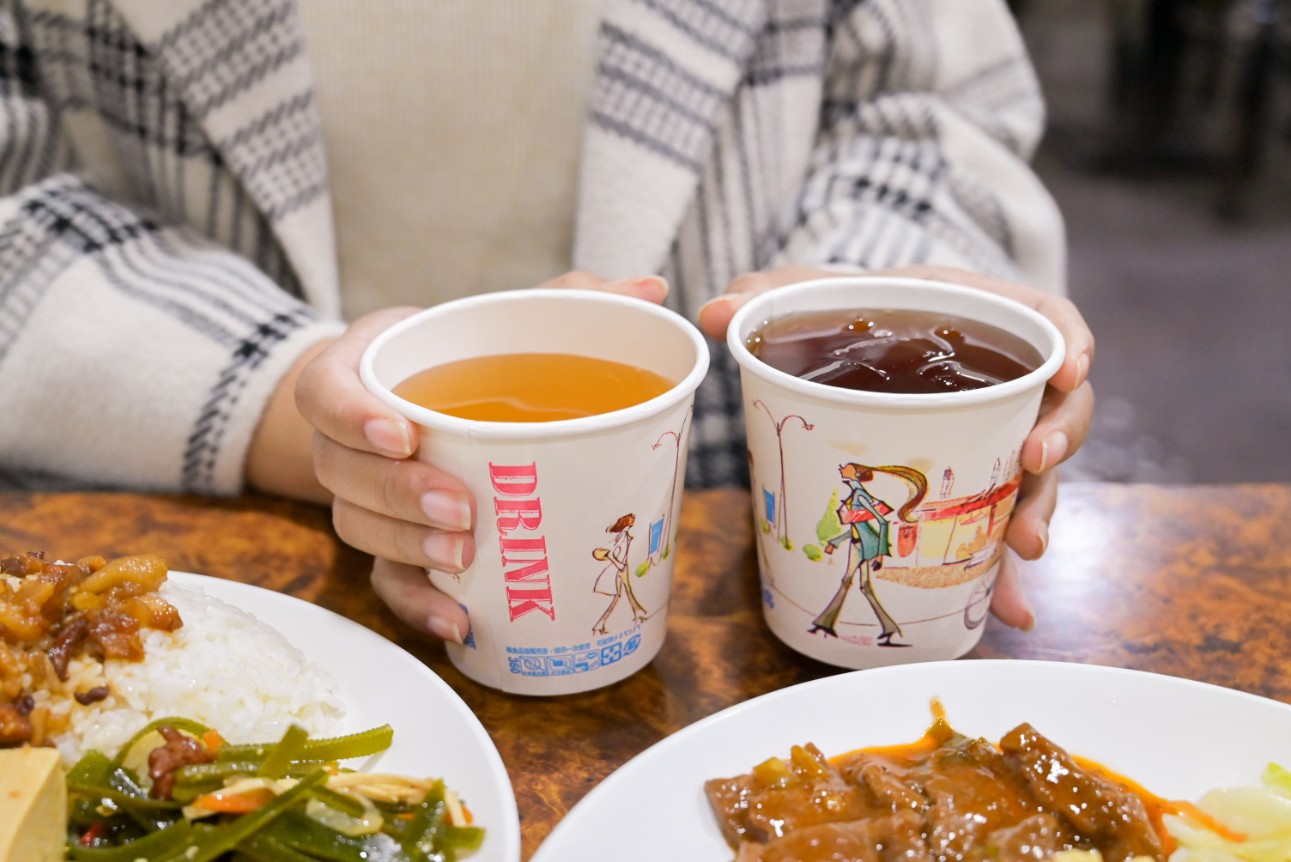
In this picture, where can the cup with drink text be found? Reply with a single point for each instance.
(567, 414)
(885, 419)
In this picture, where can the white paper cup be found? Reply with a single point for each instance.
(928, 598)
(558, 600)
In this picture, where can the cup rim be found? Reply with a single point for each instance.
(756, 309)
(485, 430)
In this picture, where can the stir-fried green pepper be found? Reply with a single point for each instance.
(150, 846)
(428, 836)
(206, 843)
(360, 744)
(317, 841)
(252, 803)
(288, 750)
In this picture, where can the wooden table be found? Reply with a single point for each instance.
(1192, 581)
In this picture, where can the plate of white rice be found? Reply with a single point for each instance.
(249, 662)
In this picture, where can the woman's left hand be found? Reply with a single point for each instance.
(1065, 413)
(407, 514)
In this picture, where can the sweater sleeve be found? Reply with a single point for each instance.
(931, 111)
(133, 354)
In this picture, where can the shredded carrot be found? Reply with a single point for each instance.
(96, 831)
(213, 741)
(234, 803)
(466, 813)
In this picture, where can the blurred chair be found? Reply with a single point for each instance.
(1194, 86)
(1266, 58)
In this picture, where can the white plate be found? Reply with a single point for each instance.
(1175, 737)
(435, 734)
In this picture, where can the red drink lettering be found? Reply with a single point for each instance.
(514, 481)
(524, 557)
(517, 514)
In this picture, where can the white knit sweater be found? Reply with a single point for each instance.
(453, 131)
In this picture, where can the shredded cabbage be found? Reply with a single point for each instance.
(1260, 814)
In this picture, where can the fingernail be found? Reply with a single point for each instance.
(1029, 623)
(447, 510)
(390, 437)
(1052, 450)
(445, 551)
(443, 629)
(726, 303)
(652, 284)
(727, 300)
(1044, 540)
(1082, 369)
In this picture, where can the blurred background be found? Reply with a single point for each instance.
(1169, 152)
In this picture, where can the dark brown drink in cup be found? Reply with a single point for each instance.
(885, 419)
(893, 350)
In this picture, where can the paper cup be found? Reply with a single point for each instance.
(828, 505)
(577, 519)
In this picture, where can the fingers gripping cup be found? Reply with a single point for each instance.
(567, 414)
(885, 419)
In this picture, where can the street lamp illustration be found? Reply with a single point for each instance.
(676, 460)
(782, 514)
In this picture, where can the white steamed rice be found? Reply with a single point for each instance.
(224, 668)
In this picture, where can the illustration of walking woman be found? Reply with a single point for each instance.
(617, 557)
(866, 530)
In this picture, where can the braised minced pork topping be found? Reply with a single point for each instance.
(54, 612)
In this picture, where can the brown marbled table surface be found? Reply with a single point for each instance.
(1191, 581)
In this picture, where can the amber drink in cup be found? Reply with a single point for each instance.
(885, 419)
(567, 413)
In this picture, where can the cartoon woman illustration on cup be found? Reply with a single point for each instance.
(866, 530)
(617, 557)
